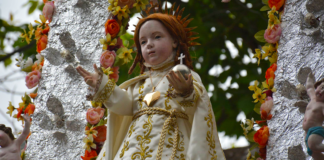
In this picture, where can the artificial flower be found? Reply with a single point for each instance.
(36, 66)
(113, 5)
(107, 58)
(89, 143)
(19, 118)
(112, 27)
(89, 155)
(258, 95)
(273, 57)
(94, 115)
(32, 79)
(250, 124)
(272, 35)
(43, 20)
(261, 136)
(26, 65)
(273, 19)
(108, 42)
(38, 33)
(123, 3)
(140, 4)
(41, 43)
(26, 36)
(258, 55)
(107, 71)
(270, 72)
(254, 87)
(121, 12)
(266, 108)
(46, 29)
(31, 30)
(115, 74)
(244, 130)
(276, 3)
(19, 60)
(96, 104)
(125, 54)
(48, 10)
(33, 95)
(20, 111)
(10, 108)
(269, 85)
(91, 132)
(30, 109)
(102, 131)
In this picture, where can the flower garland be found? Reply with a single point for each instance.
(263, 94)
(33, 69)
(115, 53)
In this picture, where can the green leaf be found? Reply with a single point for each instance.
(257, 108)
(265, 2)
(260, 36)
(265, 8)
(7, 62)
(255, 145)
(101, 122)
(89, 125)
(250, 136)
(33, 6)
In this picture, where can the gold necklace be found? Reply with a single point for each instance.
(152, 97)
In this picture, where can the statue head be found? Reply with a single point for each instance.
(319, 90)
(6, 135)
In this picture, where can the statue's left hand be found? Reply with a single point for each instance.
(90, 78)
(180, 84)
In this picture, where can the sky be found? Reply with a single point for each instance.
(17, 83)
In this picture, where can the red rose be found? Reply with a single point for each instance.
(112, 27)
(277, 3)
(261, 136)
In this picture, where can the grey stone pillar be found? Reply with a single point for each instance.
(59, 119)
(301, 48)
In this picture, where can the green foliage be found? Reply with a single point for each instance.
(257, 108)
(250, 136)
(260, 36)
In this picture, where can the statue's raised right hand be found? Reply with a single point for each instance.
(90, 78)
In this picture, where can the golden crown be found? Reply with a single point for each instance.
(157, 8)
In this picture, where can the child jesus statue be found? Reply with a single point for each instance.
(159, 114)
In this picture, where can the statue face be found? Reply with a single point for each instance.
(319, 91)
(4, 139)
(156, 42)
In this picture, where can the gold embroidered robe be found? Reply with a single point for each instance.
(138, 139)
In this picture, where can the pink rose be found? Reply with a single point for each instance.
(107, 58)
(115, 75)
(94, 115)
(272, 35)
(48, 10)
(32, 79)
(267, 105)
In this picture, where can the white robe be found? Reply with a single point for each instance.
(138, 139)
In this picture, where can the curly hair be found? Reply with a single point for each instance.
(176, 31)
(7, 130)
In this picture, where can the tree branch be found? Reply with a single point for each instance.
(17, 51)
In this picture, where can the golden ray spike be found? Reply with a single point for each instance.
(134, 25)
(132, 30)
(160, 7)
(172, 8)
(142, 15)
(180, 14)
(166, 8)
(185, 24)
(189, 29)
(139, 18)
(192, 38)
(177, 12)
(184, 19)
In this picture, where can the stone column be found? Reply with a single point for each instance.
(59, 119)
(301, 49)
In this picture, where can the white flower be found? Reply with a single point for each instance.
(39, 58)
(26, 65)
(19, 60)
(250, 124)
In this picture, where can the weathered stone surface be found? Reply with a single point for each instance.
(59, 119)
(300, 47)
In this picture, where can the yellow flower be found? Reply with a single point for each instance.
(140, 4)
(273, 58)
(273, 19)
(113, 5)
(125, 54)
(19, 119)
(250, 124)
(244, 130)
(258, 95)
(42, 18)
(11, 108)
(269, 85)
(91, 132)
(31, 30)
(96, 104)
(254, 87)
(107, 71)
(121, 12)
(25, 35)
(258, 55)
(107, 42)
(89, 143)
